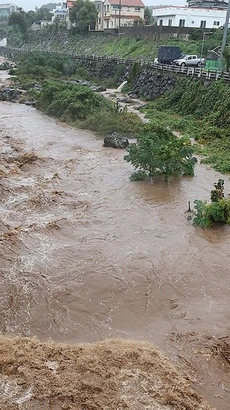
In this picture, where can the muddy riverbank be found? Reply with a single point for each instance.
(87, 255)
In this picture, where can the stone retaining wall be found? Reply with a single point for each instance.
(146, 83)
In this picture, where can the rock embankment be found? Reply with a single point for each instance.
(152, 85)
(147, 82)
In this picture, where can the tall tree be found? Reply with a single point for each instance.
(159, 152)
(43, 14)
(83, 15)
(19, 22)
(148, 15)
(50, 6)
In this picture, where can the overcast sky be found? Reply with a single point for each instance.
(30, 4)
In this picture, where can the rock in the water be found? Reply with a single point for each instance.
(8, 94)
(116, 141)
(6, 65)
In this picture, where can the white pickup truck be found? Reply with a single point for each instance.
(190, 60)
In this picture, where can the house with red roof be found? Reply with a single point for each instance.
(123, 13)
(115, 13)
(70, 4)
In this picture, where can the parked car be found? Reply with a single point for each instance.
(190, 61)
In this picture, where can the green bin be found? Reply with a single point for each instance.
(212, 65)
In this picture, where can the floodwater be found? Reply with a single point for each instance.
(88, 255)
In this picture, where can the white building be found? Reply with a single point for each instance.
(100, 14)
(7, 8)
(123, 13)
(60, 13)
(179, 16)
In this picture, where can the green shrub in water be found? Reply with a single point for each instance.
(159, 152)
(218, 211)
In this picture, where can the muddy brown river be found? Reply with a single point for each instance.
(88, 255)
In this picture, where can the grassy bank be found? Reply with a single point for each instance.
(200, 111)
(52, 81)
(108, 45)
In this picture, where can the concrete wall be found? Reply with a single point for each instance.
(156, 33)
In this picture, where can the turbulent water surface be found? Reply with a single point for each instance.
(88, 255)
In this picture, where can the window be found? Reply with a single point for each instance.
(107, 8)
(170, 22)
(161, 22)
(216, 23)
(202, 24)
(192, 22)
(137, 8)
(181, 23)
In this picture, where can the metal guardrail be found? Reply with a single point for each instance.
(163, 68)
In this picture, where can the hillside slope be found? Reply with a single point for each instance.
(101, 44)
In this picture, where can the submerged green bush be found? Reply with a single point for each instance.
(159, 152)
(218, 211)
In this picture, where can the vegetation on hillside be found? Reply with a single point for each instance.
(159, 152)
(99, 44)
(20, 25)
(80, 106)
(40, 65)
(83, 15)
(204, 114)
(58, 38)
(61, 96)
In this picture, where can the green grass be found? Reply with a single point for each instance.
(99, 44)
(80, 106)
(72, 103)
(215, 154)
(107, 122)
(213, 147)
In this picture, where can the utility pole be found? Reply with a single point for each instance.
(203, 40)
(120, 13)
(224, 39)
